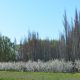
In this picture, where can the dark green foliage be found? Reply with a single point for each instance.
(7, 49)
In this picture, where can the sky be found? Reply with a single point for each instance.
(18, 17)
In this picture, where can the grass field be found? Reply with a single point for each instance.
(9, 75)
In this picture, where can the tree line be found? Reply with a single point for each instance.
(34, 48)
(7, 49)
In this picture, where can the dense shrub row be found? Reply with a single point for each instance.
(39, 66)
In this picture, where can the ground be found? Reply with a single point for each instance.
(12, 75)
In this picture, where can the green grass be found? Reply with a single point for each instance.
(12, 75)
